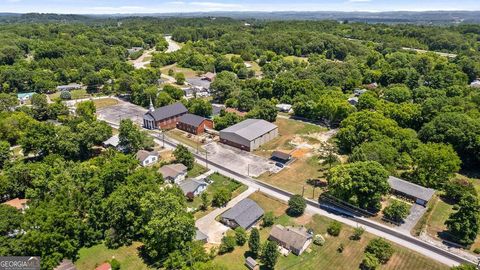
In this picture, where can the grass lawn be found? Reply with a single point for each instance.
(293, 177)
(105, 102)
(180, 137)
(196, 170)
(327, 256)
(189, 73)
(128, 257)
(219, 181)
(76, 94)
(293, 58)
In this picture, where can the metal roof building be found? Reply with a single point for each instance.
(249, 134)
(421, 195)
(244, 214)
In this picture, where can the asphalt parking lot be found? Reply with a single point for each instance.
(123, 110)
(239, 161)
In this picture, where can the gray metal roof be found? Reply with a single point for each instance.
(200, 236)
(191, 119)
(245, 213)
(410, 188)
(113, 141)
(190, 185)
(168, 111)
(251, 263)
(281, 155)
(250, 129)
(199, 82)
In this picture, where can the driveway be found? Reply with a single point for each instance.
(239, 161)
(172, 45)
(214, 229)
(416, 212)
(123, 110)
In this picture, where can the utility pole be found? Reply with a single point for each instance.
(206, 159)
(163, 138)
(303, 190)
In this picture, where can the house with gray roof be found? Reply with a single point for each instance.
(146, 158)
(165, 117)
(294, 239)
(174, 173)
(196, 187)
(200, 236)
(251, 263)
(421, 195)
(113, 141)
(69, 87)
(194, 124)
(244, 214)
(249, 134)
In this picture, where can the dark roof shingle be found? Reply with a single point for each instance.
(168, 111)
(410, 188)
(245, 213)
(191, 119)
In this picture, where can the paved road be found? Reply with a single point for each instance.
(139, 62)
(401, 238)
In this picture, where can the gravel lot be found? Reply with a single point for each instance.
(240, 161)
(123, 110)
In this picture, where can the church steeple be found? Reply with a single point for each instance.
(151, 108)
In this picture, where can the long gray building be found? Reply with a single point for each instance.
(249, 134)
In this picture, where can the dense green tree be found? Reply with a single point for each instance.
(5, 153)
(182, 155)
(381, 151)
(397, 93)
(381, 249)
(434, 164)
(132, 138)
(265, 110)
(86, 110)
(199, 107)
(254, 242)
(40, 107)
(221, 197)
(268, 219)
(464, 224)
(7, 102)
(396, 211)
(224, 86)
(240, 236)
(370, 262)
(360, 183)
(228, 244)
(180, 78)
(169, 226)
(270, 255)
(174, 92)
(296, 205)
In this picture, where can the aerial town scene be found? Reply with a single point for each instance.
(242, 135)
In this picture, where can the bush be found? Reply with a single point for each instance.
(180, 78)
(171, 72)
(240, 236)
(381, 249)
(221, 197)
(190, 196)
(319, 240)
(296, 205)
(340, 248)
(334, 228)
(369, 262)
(65, 95)
(115, 264)
(228, 244)
(357, 233)
(268, 219)
(476, 251)
(397, 211)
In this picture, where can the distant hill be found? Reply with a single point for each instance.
(427, 17)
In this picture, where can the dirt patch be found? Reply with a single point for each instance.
(304, 219)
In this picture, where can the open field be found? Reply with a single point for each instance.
(105, 102)
(181, 137)
(327, 256)
(189, 73)
(76, 94)
(127, 256)
(293, 58)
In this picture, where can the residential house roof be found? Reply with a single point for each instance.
(200, 236)
(244, 213)
(168, 111)
(18, 203)
(251, 263)
(217, 108)
(410, 188)
(144, 154)
(104, 266)
(191, 185)
(475, 83)
(69, 86)
(293, 237)
(251, 129)
(199, 82)
(281, 155)
(172, 170)
(209, 76)
(25, 95)
(113, 141)
(66, 265)
(192, 119)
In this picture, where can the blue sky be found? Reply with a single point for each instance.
(154, 6)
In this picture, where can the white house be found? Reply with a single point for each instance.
(196, 187)
(147, 158)
(174, 173)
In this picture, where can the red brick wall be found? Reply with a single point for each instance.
(168, 123)
(196, 130)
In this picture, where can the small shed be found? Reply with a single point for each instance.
(281, 156)
(251, 264)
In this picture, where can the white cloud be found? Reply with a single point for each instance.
(214, 5)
